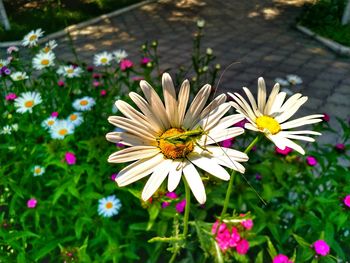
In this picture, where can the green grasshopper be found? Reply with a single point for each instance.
(185, 137)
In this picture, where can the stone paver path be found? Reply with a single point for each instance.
(258, 34)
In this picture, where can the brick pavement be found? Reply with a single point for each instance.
(257, 33)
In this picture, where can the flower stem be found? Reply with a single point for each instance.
(230, 183)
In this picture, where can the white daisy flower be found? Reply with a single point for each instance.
(282, 82)
(119, 55)
(61, 128)
(26, 101)
(76, 118)
(103, 59)
(31, 39)
(17, 76)
(167, 140)
(49, 46)
(294, 79)
(69, 71)
(38, 170)
(3, 63)
(6, 130)
(43, 60)
(270, 116)
(109, 206)
(84, 104)
(49, 122)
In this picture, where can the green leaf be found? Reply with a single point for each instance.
(301, 241)
(270, 248)
(260, 257)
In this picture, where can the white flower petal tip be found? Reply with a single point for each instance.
(150, 133)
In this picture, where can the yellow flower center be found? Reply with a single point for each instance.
(47, 49)
(70, 71)
(45, 62)
(174, 150)
(84, 102)
(37, 170)
(73, 117)
(33, 38)
(104, 60)
(50, 122)
(269, 123)
(109, 205)
(29, 103)
(62, 132)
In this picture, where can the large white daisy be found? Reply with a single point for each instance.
(168, 140)
(31, 39)
(270, 116)
(103, 59)
(26, 101)
(43, 60)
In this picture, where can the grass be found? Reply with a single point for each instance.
(324, 18)
(53, 15)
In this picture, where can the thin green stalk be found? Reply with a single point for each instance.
(230, 183)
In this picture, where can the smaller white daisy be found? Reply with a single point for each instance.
(103, 59)
(109, 206)
(282, 82)
(17, 76)
(6, 130)
(38, 170)
(61, 129)
(76, 118)
(49, 46)
(119, 55)
(84, 104)
(31, 39)
(69, 71)
(3, 63)
(294, 79)
(26, 101)
(49, 122)
(43, 60)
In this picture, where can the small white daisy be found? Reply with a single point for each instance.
(294, 79)
(49, 46)
(38, 170)
(26, 101)
(76, 118)
(17, 76)
(109, 206)
(43, 60)
(103, 59)
(6, 130)
(49, 122)
(282, 82)
(61, 128)
(3, 63)
(31, 39)
(119, 55)
(84, 104)
(69, 71)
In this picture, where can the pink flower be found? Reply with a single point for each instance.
(321, 247)
(180, 206)
(165, 204)
(247, 224)
(70, 158)
(120, 145)
(242, 247)
(113, 176)
(223, 239)
(96, 83)
(241, 123)
(31, 203)
(60, 83)
(103, 92)
(222, 227)
(340, 147)
(286, 150)
(347, 200)
(137, 78)
(12, 49)
(11, 96)
(171, 195)
(280, 258)
(227, 143)
(234, 238)
(144, 61)
(90, 68)
(125, 64)
(326, 117)
(54, 114)
(311, 161)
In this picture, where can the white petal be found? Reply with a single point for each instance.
(243, 105)
(261, 94)
(289, 112)
(184, 94)
(284, 142)
(297, 137)
(209, 165)
(271, 98)
(252, 101)
(139, 169)
(251, 127)
(156, 179)
(213, 105)
(195, 182)
(213, 117)
(222, 151)
(276, 106)
(170, 100)
(174, 175)
(228, 121)
(218, 136)
(302, 121)
(303, 132)
(133, 153)
(129, 139)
